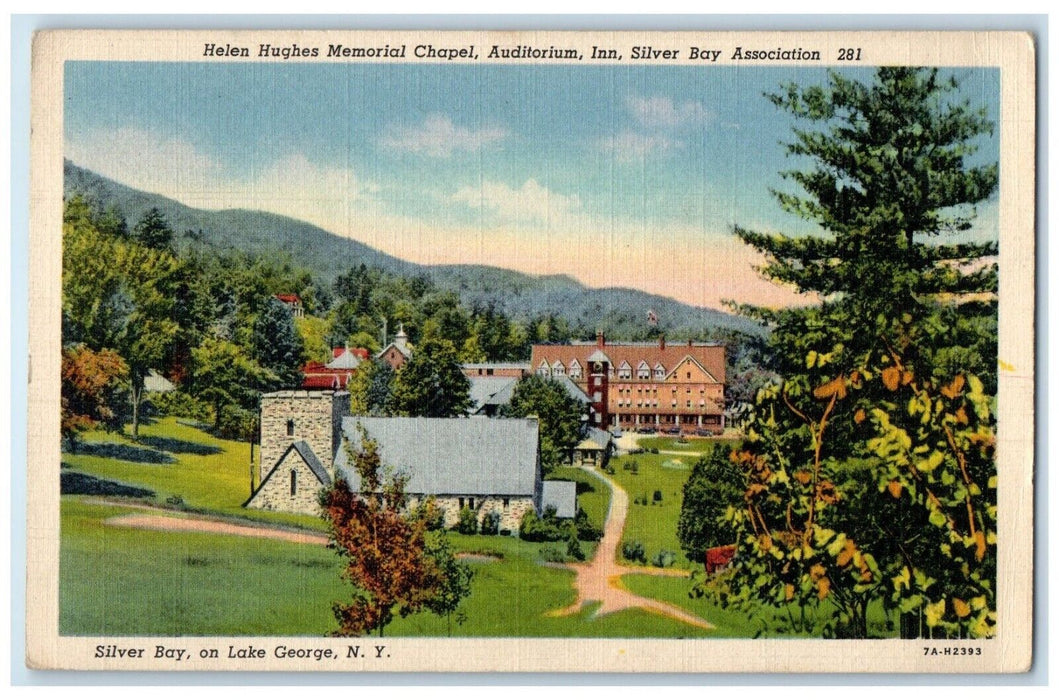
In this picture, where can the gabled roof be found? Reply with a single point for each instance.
(308, 456)
(689, 358)
(491, 391)
(561, 495)
(454, 456)
(344, 360)
(289, 298)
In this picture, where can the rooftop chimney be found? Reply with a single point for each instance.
(661, 342)
(600, 339)
(689, 342)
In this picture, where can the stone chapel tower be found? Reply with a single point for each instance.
(312, 416)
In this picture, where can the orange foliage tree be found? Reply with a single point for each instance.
(388, 560)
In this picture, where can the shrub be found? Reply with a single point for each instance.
(657, 496)
(573, 547)
(181, 405)
(491, 523)
(653, 450)
(505, 532)
(554, 553)
(585, 529)
(664, 558)
(540, 529)
(634, 467)
(633, 551)
(468, 522)
(176, 501)
(431, 514)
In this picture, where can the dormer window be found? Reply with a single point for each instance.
(558, 369)
(624, 371)
(660, 371)
(544, 370)
(643, 371)
(575, 370)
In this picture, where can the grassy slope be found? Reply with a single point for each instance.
(218, 482)
(124, 581)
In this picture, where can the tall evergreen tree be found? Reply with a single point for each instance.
(869, 464)
(277, 346)
(153, 230)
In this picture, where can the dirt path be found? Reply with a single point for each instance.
(168, 522)
(600, 579)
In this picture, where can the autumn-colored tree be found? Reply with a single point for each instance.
(384, 545)
(93, 386)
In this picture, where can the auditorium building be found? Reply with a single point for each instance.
(645, 386)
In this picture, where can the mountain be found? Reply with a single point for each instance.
(619, 311)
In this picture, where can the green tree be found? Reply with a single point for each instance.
(153, 230)
(371, 389)
(558, 412)
(454, 579)
(120, 295)
(868, 463)
(714, 485)
(277, 346)
(223, 374)
(431, 383)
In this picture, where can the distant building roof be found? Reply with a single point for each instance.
(524, 366)
(289, 298)
(595, 439)
(400, 342)
(572, 388)
(157, 383)
(325, 381)
(450, 455)
(346, 359)
(561, 495)
(491, 391)
(709, 356)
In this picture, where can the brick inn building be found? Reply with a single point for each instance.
(671, 388)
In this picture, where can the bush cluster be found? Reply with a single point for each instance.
(633, 551)
(179, 404)
(468, 522)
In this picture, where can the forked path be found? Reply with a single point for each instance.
(600, 579)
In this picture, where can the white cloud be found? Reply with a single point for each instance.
(292, 185)
(531, 201)
(630, 146)
(663, 113)
(440, 138)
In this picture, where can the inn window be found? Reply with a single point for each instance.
(461, 503)
(290, 427)
(470, 503)
(643, 371)
(558, 369)
(660, 372)
(507, 502)
(575, 369)
(293, 482)
(544, 370)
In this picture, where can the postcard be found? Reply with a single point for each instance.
(390, 351)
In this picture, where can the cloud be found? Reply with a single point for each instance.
(291, 185)
(438, 137)
(531, 201)
(630, 146)
(663, 113)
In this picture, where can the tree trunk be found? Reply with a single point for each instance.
(137, 392)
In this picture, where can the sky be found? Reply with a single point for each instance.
(628, 176)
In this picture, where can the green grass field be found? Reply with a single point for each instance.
(121, 581)
(654, 524)
(692, 444)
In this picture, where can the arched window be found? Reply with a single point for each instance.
(293, 482)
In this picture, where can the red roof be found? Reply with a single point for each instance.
(323, 381)
(669, 355)
(289, 298)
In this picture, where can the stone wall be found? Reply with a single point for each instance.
(316, 418)
(275, 492)
(510, 515)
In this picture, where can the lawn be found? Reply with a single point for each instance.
(653, 521)
(119, 581)
(175, 460)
